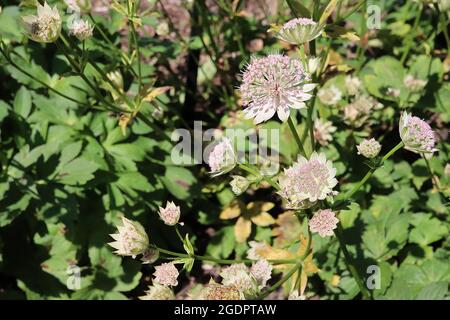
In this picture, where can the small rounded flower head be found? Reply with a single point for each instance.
(158, 292)
(81, 29)
(416, 134)
(369, 148)
(131, 240)
(353, 85)
(413, 84)
(46, 26)
(221, 158)
(238, 275)
(239, 184)
(80, 6)
(329, 96)
(300, 30)
(308, 181)
(170, 215)
(274, 84)
(166, 274)
(323, 222)
(215, 291)
(262, 271)
(313, 64)
(323, 131)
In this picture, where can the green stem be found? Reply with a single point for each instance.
(254, 171)
(411, 35)
(370, 173)
(433, 177)
(296, 137)
(348, 261)
(280, 282)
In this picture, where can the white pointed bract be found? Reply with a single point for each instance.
(81, 29)
(369, 148)
(166, 274)
(300, 30)
(131, 239)
(45, 26)
(274, 84)
(323, 222)
(170, 215)
(158, 292)
(221, 158)
(416, 134)
(308, 181)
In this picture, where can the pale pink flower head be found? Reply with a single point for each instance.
(274, 84)
(308, 181)
(329, 96)
(170, 214)
(369, 148)
(416, 134)
(131, 239)
(158, 292)
(81, 29)
(166, 274)
(221, 157)
(45, 26)
(300, 30)
(239, 276)
(323, 131)
(323, 222)
(262, 271)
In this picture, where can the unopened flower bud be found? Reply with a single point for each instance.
(369, 148)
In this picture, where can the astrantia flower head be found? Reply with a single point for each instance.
(239, 184)
(262, 271)
(81, 29)
(369, 148)
(358, 112)
(215, 291)
(239, 276)
(170, 214)
(221, 158)
(274, 84)
(300, 30)
(166, 274)
(413, 84)
(329, 96)
(308, 181)
(46, 26)
(158, 292)
(416, 134)
(131, 240)
(323, 222)
(353, 85)
(323, 131)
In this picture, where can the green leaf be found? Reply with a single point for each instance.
(22, 102)
(77, 172)
(180, 182)
(426, 229)
(433, 291)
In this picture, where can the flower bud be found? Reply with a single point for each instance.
(131, 239)
(46, 26)
(369, 148)
(170, 214)
(81, 29)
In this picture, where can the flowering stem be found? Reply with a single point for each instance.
(296, 137)
(280, 282)
(411, 34)
(255, 172)
(371, 171)
(348, 261)
(433, 176)
(222, 261)
(179, 234)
